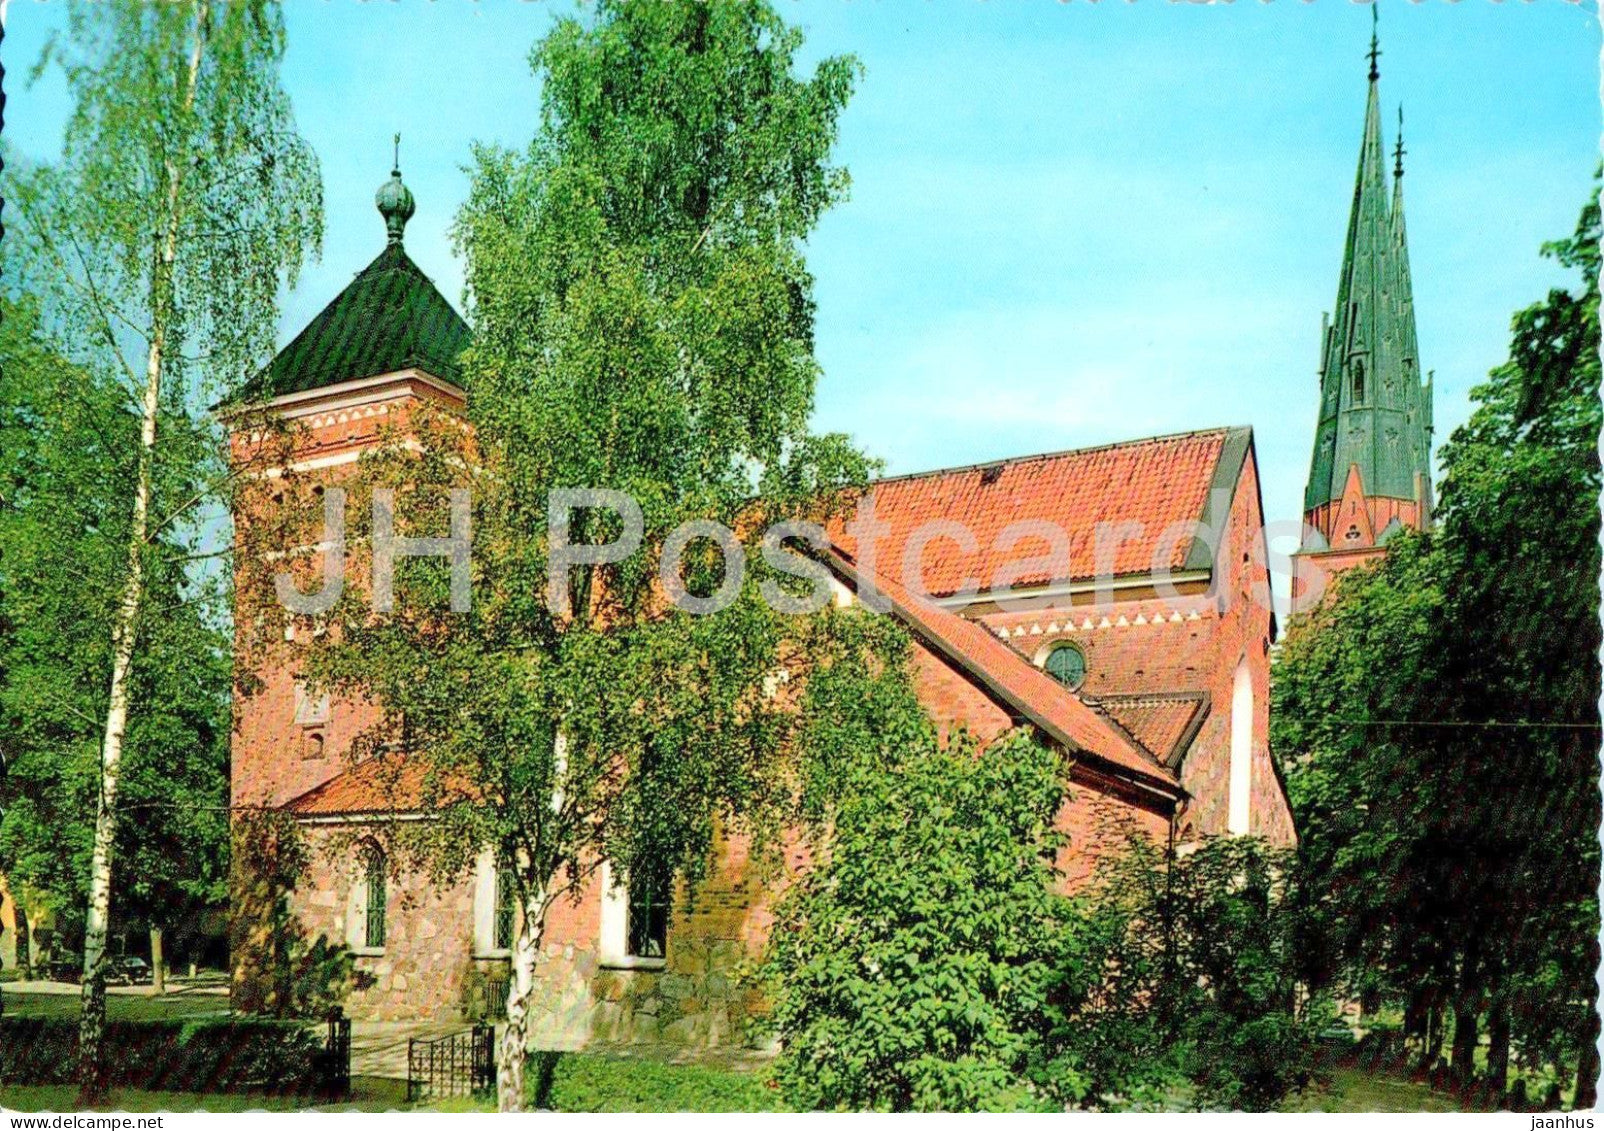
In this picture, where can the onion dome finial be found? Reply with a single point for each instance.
(394, 199)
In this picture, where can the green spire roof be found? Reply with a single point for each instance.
(390, 317)
(1375, 414)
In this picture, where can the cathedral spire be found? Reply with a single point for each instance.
(1375, 40)
(1373, 425)
(1398, 152)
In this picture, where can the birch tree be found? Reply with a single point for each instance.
(183, 198)
(644, 325)
(67, 460)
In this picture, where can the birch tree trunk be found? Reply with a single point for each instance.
(125, 629)
(514, 1046)
(158, 964)
(92, 1020)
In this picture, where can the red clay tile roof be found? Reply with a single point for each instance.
(1155, 482)
(383, 784)
(1164, 723)
(1028, 691)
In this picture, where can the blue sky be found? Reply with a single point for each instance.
(1069, 223)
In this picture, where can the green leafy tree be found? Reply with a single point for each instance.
(1442, 716)
(915, 965)
(1201, 969)
(643, 323)
(66, 438)
(182, 199)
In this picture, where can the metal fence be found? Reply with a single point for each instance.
(334, 1062)
(458, 1064)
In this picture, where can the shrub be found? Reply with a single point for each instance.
(912, 968)
(579, 1082)
(183, 1056)
(1201, 961)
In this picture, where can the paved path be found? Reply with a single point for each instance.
(379, 1048)
(123, 1003)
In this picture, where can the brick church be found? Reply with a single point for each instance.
(1151, 671)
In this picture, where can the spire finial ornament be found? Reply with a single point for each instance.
(1398, 149)
(394, 200)
(1375, 39)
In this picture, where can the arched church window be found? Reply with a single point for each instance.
(1067, 664)
(506, 909)
(1358, 382)
(376, 892)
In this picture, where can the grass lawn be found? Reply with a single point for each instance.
(590, 1082)
(587, 1082)
(119, 1007)
(19, 1097)
(1354, 1089)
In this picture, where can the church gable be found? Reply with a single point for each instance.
(1351, 528)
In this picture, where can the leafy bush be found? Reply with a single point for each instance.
(183, 1056)
(912, 969)
(579, 1082)
(1201, 961)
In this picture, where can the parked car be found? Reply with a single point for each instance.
(64, 970)
(127, 970)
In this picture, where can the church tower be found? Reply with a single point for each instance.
(1370, 474)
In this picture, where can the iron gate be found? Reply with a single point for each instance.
(458, 1064)
(332, 1063)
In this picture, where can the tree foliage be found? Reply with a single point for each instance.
(929, 960)
(1201, 962)
(642, 323)
(181, 200)
(1441, 714)
(66, 444)
(915, 965)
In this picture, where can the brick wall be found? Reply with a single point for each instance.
(429, 969)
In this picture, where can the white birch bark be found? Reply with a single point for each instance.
(514, 1048)
(92, 1020)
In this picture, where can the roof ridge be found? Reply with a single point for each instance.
(1006, 461)
(394, 257)
(1153, 696)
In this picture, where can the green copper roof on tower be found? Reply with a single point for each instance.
(389, 318)
(1375, 414)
